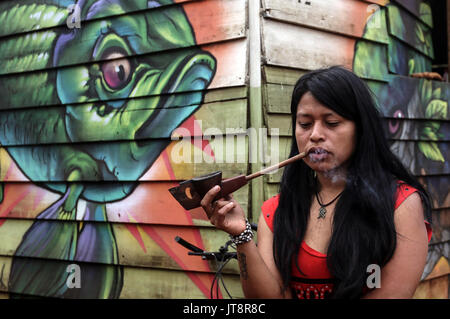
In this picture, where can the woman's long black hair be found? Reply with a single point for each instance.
(363, 224)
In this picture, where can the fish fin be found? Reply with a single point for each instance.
(97, 252)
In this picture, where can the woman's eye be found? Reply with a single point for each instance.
(117, 72)
(333, 124)
(304, 125)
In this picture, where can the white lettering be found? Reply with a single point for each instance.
(374, 279)
(74, 18)
(74, 279)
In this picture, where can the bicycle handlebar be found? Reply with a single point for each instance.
(188, 245)
(214, 255)
(222, 256)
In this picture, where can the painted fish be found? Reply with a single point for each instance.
(95, 103)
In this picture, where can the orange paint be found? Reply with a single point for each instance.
(165, 238)
(206, 29)
(231, 69)
(150, 203)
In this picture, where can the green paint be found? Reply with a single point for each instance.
(93, 76)
(424, 99)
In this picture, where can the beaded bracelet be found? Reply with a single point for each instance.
(243, 237)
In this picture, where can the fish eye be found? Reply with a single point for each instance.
(394, 124)
(116, 72)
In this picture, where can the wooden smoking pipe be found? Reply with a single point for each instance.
(190, 193)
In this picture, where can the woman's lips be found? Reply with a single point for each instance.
(317, 154)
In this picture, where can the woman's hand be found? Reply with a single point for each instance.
(225, 213)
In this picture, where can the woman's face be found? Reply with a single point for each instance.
(328, 138)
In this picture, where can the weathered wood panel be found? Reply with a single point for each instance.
(271, 190)
(403, 57)
(210, 116)
(41, 88)
(430, 99)
(379, 2)
(149, 203)
(415, 111)
(280, 75)
(392, 126)
(420, 8)
(225, 94)
(347, 17)
(280, 122)
(436, 288)
(141, 283)
(44, 16)
(147, 283)
(416, 130)
(189, 157)
(39, 50)
(441, 217)
(410, 30)
(146, 218)
(318, 48)
(192, 56)
(404, 60)
(138, 245)
(277, 98)
(371, 61)
(232, 67)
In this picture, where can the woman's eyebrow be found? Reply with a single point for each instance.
(301, 114)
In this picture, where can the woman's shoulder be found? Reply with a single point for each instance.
(268, 209)
(272, 202)
(404, 190)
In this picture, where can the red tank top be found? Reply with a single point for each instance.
(316, 281)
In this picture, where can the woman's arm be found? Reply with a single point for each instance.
(401, 275)
(259, 274)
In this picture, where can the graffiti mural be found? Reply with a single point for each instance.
(415, 108)
(111, 105)
(388, 43)
(93, 92)
(405, 98)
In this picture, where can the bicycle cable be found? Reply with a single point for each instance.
(216, 278)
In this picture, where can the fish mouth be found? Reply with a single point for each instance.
(184, 91)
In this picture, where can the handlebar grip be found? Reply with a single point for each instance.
(188, 245)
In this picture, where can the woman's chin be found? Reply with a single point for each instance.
(330, 170)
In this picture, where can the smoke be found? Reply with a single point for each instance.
(335, 175)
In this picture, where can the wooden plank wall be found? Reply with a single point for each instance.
(95, 122)
(96, 125)
(383, 42)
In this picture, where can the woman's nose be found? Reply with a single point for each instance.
(317, 133)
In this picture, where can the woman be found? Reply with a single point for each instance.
(347, 206)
